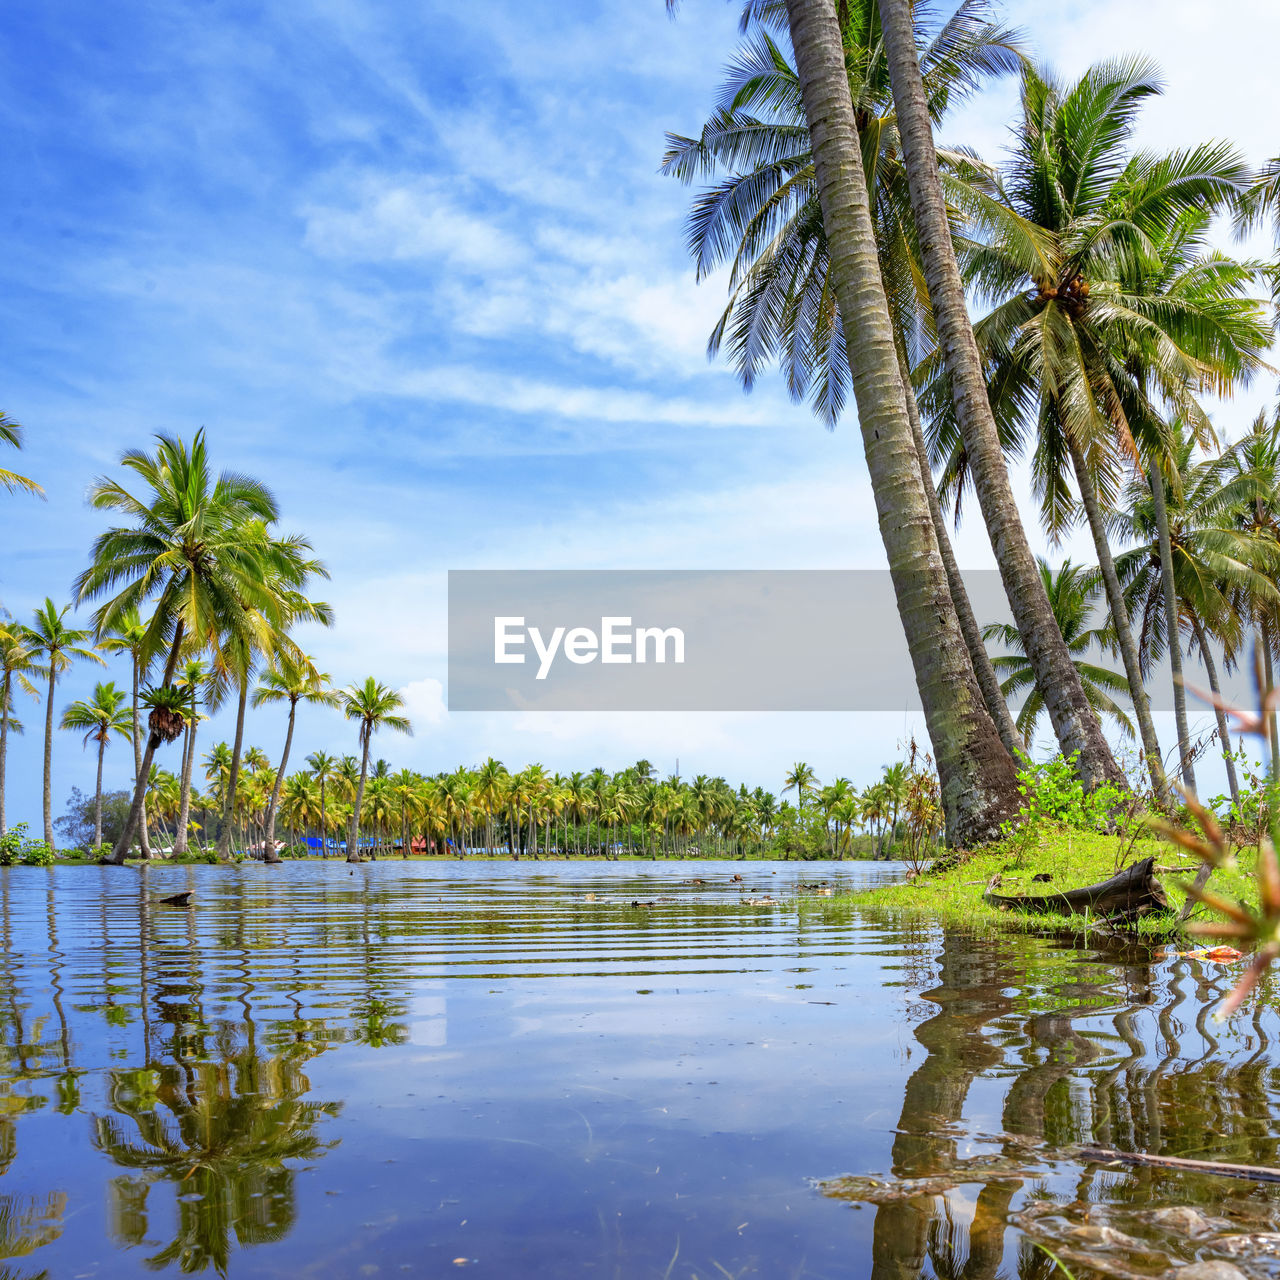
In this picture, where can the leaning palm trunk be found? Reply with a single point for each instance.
(1187, 766)
(1224, 731)
(1057, 679)
(154, 739)
(137, 754)
(988, 681)
(269, 839)
(977, 775)
(233, 779)
(1120, 621)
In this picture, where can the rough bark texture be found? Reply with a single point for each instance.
(977, 774)
(1073, 718)
(180, 840)
(137, 757)
(985, 673)
(1133, 891)
(1173, 636)
(269, 853)
(1120, 621)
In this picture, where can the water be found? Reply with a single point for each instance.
(509, 1070)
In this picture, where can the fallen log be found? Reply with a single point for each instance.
(1104, 1155)
(1133, 891)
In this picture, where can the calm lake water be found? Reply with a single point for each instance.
(509, 1069)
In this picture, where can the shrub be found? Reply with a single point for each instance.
(1052, 791)
(36, 853)
(11, 844)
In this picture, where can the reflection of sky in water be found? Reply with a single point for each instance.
(314, 1072)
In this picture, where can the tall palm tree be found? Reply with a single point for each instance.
(290, 681)
(1071, 590)
(59, 646)
(17, 664)
(196, 547)
(11, 434)
(766, 217)
(372, 706)
(129, 635)
(282, 604)
(802, 779)
(98, 717)
(1105, 306)
(979, 786)
(1073, 719)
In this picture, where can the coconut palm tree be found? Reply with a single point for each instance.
(59, 646)
(324, 769)
(18, 664)
(1073, 719)
(1072, 590)
(199, 549)
(372, 706)
(765, 216)
(289, 681)
(802, 779)
(1212, 564)
(979, 785)
(1107, 311)
(98, 717)
(11, 434)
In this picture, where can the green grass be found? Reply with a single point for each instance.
(1073, 859)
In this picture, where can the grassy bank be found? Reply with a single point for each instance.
(1072, 859)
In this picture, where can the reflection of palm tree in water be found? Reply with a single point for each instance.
(26, 1224)
(221, 1139)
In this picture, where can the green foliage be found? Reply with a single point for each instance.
(37, 853)
(1053, 792)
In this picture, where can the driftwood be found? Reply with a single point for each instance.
(1104, 1155)
(177, 899)
(1134, 891)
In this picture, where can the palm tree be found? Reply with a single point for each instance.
(17, 663)
(766, 216)
(281, 605)
(373, 706)
(1104, 304)
(11, 434)
(59, 646)
(1073, 719)
(979, 784)
(1071, 590)
(290, 681)
(324, 769)
(98, 718)
(129, 635)
(801, 779)
(198, 548)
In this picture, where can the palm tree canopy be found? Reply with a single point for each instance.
(101, 715)
(375, 707)
(11, 434)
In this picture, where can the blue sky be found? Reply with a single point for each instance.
(414, 266)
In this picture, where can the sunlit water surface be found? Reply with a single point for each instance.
(513, 1070)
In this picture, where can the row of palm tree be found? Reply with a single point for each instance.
(853, 243)
(529, 812)
(202, 595)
